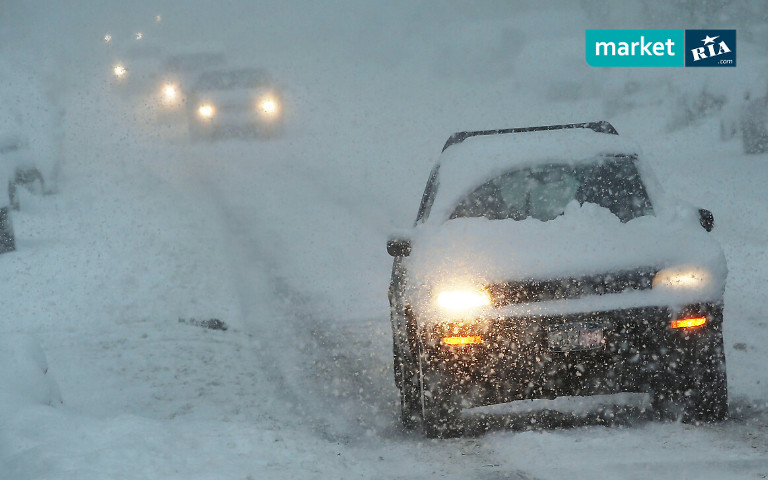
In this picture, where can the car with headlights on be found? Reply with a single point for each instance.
(178, 72)
(547, 262)
(235, 102)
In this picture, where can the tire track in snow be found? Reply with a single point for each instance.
(334, 375)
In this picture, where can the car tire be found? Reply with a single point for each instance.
(410, 400)
(7, 236)
(440, 411)
(708, 401)
(696, 388)
(751, 141)
(13, 196)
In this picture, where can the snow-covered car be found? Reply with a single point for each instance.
(232, 102)
(177, 73)
(548, 262)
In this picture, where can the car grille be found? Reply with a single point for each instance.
(527, 291)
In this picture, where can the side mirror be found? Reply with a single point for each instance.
(706, 219)
(399, 247)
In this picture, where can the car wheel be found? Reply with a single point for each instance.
(695, 387)
(13, 196)
(440, 412)
(750, 141)
(410, 400)
(709, 383)
(7, 237)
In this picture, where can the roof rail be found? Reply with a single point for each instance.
(599, 127)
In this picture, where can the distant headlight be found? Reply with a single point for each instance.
(463, 299)
(269, 106)
(119, 70)
(687, 278)
(206, 110)
(170, 92)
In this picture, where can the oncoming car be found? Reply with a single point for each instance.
(178, 71)
(235, 102)
(548, 262)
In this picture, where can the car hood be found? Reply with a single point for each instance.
(586, 240)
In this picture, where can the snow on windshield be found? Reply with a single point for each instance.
(543, 192)
(467, 165)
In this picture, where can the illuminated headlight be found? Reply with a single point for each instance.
(682, 278)
(170, 92)
(206, 111)
(268, 106)
(119, 70)
(463, 299)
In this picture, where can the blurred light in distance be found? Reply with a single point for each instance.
(471, 340)
(170, 92)
(689, 322)
(268, 105)
(159, 18)
(107, 38)
(139, 35)
(119, 70)
(206, 110)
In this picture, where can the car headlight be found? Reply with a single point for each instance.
(119, 70)
(170, 92)
(463, 299)
(685, 278)
(269, 106)
(206, 111)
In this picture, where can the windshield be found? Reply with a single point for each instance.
(542, 192)
(229, 79)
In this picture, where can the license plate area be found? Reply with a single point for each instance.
(574, 336)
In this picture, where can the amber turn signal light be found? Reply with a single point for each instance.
(689, 322)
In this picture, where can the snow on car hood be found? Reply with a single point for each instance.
(586, 240)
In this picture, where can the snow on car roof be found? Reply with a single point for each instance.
(468, 164)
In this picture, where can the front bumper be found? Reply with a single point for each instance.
(515, 360)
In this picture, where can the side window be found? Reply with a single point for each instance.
(429, 195)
